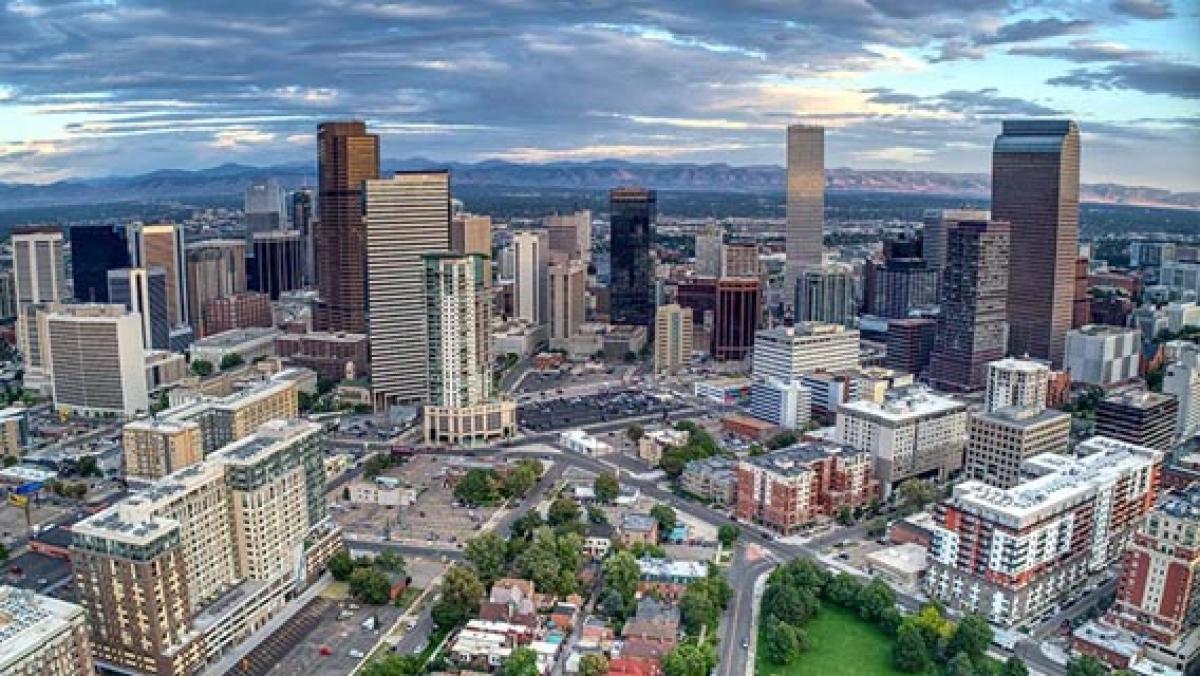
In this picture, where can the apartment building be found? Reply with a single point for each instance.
(1010, 554)
(788, 489)
(786, 404)
(155, 448)
(175, 575)
(999, 441)
(1016, 382)
(1182, 379)
(42, 636)
(673, 339)
(913, 432)
(224, 420)
(713, 479)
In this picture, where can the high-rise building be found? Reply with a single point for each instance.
(805, 238)
(632, 215)
(708, 244)
(1103, 355)
(740, 259)
(1011, 554)
(736, 317)
(1022, 383)
(145, 293)
(224, 420)
(568, 299)
(278, 262)
(788, 352)
(972, 327)
(472, 234)
(1035, 187)
(913, 432)
(999, 441)
(1139, 417)
(938, 223)
(42, 636)
(826, 294)
(786, 404)
(96, 360)
(40, 274)
(303, 221)
(175, 576)
(238, 311)
(1151, 254)
(1182, 379)
(463, 408)
(673, 339)
(408, 216)
(901, 283)
(263, 207)
(570, 234)
(909, 344)
(531, 290)
(155, 448)
(162, 246)
(347, 157)
(1081, 300)
(215, 268)
(94, 251)
(8, 294)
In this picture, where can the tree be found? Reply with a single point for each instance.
(910, 652)
(522, 662)
(696, 610)
(635, 432)
(779, 643)
(875, 599)
(607, 487)
(593, 664)
(728, 533)
(526, 524)
(231, 360)
(1015, 666)
(341, 566)
(960, 665)
(844, 516)
(1086, 665)
(461, 593)
(612, 603)
(782, 440)
(391, 562)
(477, 487)
(972, 636)
(89, 466)
(596, 515)
(915, 493)
(563, 512)
(517, 481)
(3, 552)
(394, 665)
(621, 572)
(202, 368)
(665, 517)
(844, 590)
(370, 586)
(790, 604)
(488, 553)
(689, 659)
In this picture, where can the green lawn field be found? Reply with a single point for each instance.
(842, 645)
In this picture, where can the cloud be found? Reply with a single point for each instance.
(1181, 80)
(1087, 51)
(1028, 30)
(235, 139)
(900, 154)
(1144, 9)
(981, 103)
(596, 152)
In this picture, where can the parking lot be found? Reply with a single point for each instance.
(577, 411)
(556, 379)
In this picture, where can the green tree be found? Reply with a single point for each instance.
(477, 487)
(89, 466)
(790, 604)
(844, 590)
(1015, 666)
(915, 493)
(844, 516)
(593, 664)
(201, 368)
(782, 440)
(522, 662)
(596, 515)
(461, 593)
(3, 552)
(697, 609)
(634, 432)
(728, 533)
(391, 562)
(780, 645)
(607, 487)
(563, 512)
(526, 524)
(621, 572)
(960, 665)
(370, 586)
(1086, 665)
(394, 665)
(972, 636)
(517, 481)
(612, 603)
(231, 360)
(489, 554)
(910, 652)
(690, 659)
(875, 599)
(666, 519)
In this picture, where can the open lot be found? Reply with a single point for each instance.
(842, 645)
(558, 379)
(577, 411)
(12, 519)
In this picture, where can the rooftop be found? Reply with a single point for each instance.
(795, 460)
(903, 403)
(1183, 503)
(29, 620)
(1024, 365)
(692, 570)
(1142, 399)
(909, 557)
(237, 337)
(1023, 416)
(803, 330)
(638, 523)
(1103, 330)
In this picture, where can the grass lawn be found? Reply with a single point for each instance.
(842, 645)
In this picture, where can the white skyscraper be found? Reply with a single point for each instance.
(407, 216)
(40, 277)
(532, 260)
(96, 359)
(805, 200)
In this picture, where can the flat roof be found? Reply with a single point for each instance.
(29, 620)
(909, 557)
(795, 460)
(903, 403)
(235, 337)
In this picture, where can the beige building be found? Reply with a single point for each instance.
(161, 246)
(14, 431)
(672, 339)
(568, 299)
(155, 448)
(96, 360)
(740, 260)
(224, 420)
(654, 443)
(42, 636)
(472, 234)
(998, 442)
(571, 234)
(39, 272)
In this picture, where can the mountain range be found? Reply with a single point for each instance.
(231, 179)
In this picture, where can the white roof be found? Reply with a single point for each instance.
(905, 403)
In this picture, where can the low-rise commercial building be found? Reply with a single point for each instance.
(334, 356)
(787, 353)
(711, 479)
(249, 344)
(654, 443)
(582, 442)
(1139, 417)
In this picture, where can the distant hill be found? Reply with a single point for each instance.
(231, 179)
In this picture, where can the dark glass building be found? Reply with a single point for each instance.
(144, 292)
(1035, 187)
(971, 329)
(96, 249)
(901, 283)
(633, 214)
(736, 317)
(277, 263)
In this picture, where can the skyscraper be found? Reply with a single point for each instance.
(937, 227)
(347, 156)
(571, 234)
(531, 259)
(302, 220)
(162, 246)
(568, 289)
(804, 241)
(1035, 187)
(94, 251)
(736, 317)
(40, 276)
(901, 283)
(673, 342)
(472, 233)
(408, 215)
(144, 292)
(633, 212)
(708, 245)
(215, 268)
(971, 327)
(263, 207)
(278, 262)
(97, 360)
(825, 293)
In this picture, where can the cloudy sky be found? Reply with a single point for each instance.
(109, 87)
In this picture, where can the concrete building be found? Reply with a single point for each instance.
(224, 420)
(1181, 378)
(805, 234)
(407, 216)
(1139, 417)
(1182, 278)
(826, 294)
(40, 278)
(42, 636)
(673, 339)
(145, 293)
(708, 245)
(567, 299)
(786, 404)
(901, 284)
(1150, 254)
(1182, 316)
(788, 489)
(14, 432)
(96, 249)
(740, 259)
(249, 344)
(1103, 355)
(712, 479)
(215, 269)
(571, 234)
(277, 263)
(263, 206)
(1010, 554)
(654, 442)
(161, 245)
(334, 356)
(154, 448)
(245, 310)
(787, 353)
(1022, 383)
(736, 317)
(174, 576)
(937, 226)
(96, 360)
(913, 432)
(531, 249)
(910, 344)
(999, 441)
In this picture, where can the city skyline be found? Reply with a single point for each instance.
(896, 84)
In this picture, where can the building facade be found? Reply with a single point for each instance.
(215, 269)
(736, 317)
(334, 356)
(42, 636)
(910, 344)
(787, 353)
(95, 250)
(673, 342)
(244, 310)
(826, 294)
(785, 404)
(1022, 383)
(144, 292)
(805, 236)
(155, 448)
(936, 231)
(1103, 355)
(999, 441)
(633, 213)
(1139, 417)
(531, 290)
(96, 360)
(277, 263)
(567, 299)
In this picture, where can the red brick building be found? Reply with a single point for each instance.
(237, 311)
(326, 353)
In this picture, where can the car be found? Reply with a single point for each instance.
(745, 643)
(355, 653)
(325, 651)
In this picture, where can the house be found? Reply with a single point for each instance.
(669, 578)
(634, 666)
(563, 615)
(655, 442)
(652, 632)
(595, 632)
(510, 600)
(487, 644)
(597, 540)
(639, 529)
